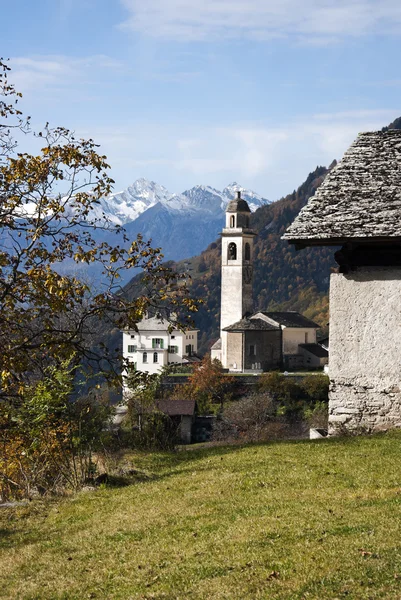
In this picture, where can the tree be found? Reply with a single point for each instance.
(207, 385)
(48, 204)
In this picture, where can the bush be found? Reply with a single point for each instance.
(48, 441)
(316, 387)
(246, 418)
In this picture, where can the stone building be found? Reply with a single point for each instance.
(251, 341)
(358, 207)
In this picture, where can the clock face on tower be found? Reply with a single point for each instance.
(247, 274)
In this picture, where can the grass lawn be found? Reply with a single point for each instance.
(285, 520)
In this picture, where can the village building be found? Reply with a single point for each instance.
(153, 347)
(358, 207)
(250, 341)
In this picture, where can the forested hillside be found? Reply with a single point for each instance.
(283, 277)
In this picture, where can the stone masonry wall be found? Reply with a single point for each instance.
(365, 349)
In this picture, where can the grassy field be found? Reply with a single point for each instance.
(283, 520)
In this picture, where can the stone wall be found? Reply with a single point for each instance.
(365, 349)
(267, 346)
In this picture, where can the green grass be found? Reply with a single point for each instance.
(297, 520)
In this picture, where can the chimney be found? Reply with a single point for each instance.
(238, 195)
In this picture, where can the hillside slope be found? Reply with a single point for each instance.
(290, 520)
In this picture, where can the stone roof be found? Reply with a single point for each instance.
(176, 407)
(216, 345)
(290, 319)
(252, 324)
(238, 205)
(155, 324)
(315, 349)
(360, 198)
(171, 407)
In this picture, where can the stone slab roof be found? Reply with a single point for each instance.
(315, 349)
(290, 319)
(176, 407)
(155, 324)
(216, 345)
(360, 199)
(252, 324)
(171, 407)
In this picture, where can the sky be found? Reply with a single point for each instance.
(186, 92)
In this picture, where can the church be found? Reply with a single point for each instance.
(260, 341)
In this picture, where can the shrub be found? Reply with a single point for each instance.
(246, 418)
(47, 440)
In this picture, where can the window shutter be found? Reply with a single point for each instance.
(153, 343)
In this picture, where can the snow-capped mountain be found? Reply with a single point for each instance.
(125, 207)
(181, 224)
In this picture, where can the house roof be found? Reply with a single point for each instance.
(315, 349)
(359, 199)
(290, 319)
(252, 324)
(155, 324)
(216, 345)
(176, 407)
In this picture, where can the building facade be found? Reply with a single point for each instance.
(251, 341)
(153, 347)
(358, 207)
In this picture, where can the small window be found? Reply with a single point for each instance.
(232, 221)
(306, 337)
(145, 357)
(252, 350)
(173, 337)
(155, 357)
(132, 337)
(173, 349)
(232, 251)
(247, 252)
(132, 349)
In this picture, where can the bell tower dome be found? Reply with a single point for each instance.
(236, 268)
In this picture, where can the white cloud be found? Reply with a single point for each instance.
(271, 160)
(41, 72)
(315, 21)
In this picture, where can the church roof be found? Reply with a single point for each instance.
(252, 324)
(290, 319)
(238, 205)
(359, 199)
(315, 349)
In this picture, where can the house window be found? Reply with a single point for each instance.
(306, 338)
(232, 221)
(157, 343)
(173, 349)
(232, 251)
(252, 350)
(132, 337)
(155, 355)
(132, 349)
(247, 252)
(173, 337)
(145, 357)
(188, 350)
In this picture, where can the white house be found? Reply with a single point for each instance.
(153, 347)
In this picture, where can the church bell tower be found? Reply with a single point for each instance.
(236, 268)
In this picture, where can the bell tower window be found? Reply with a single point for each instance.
(247, 252)
(232, 251)
(232, 221)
